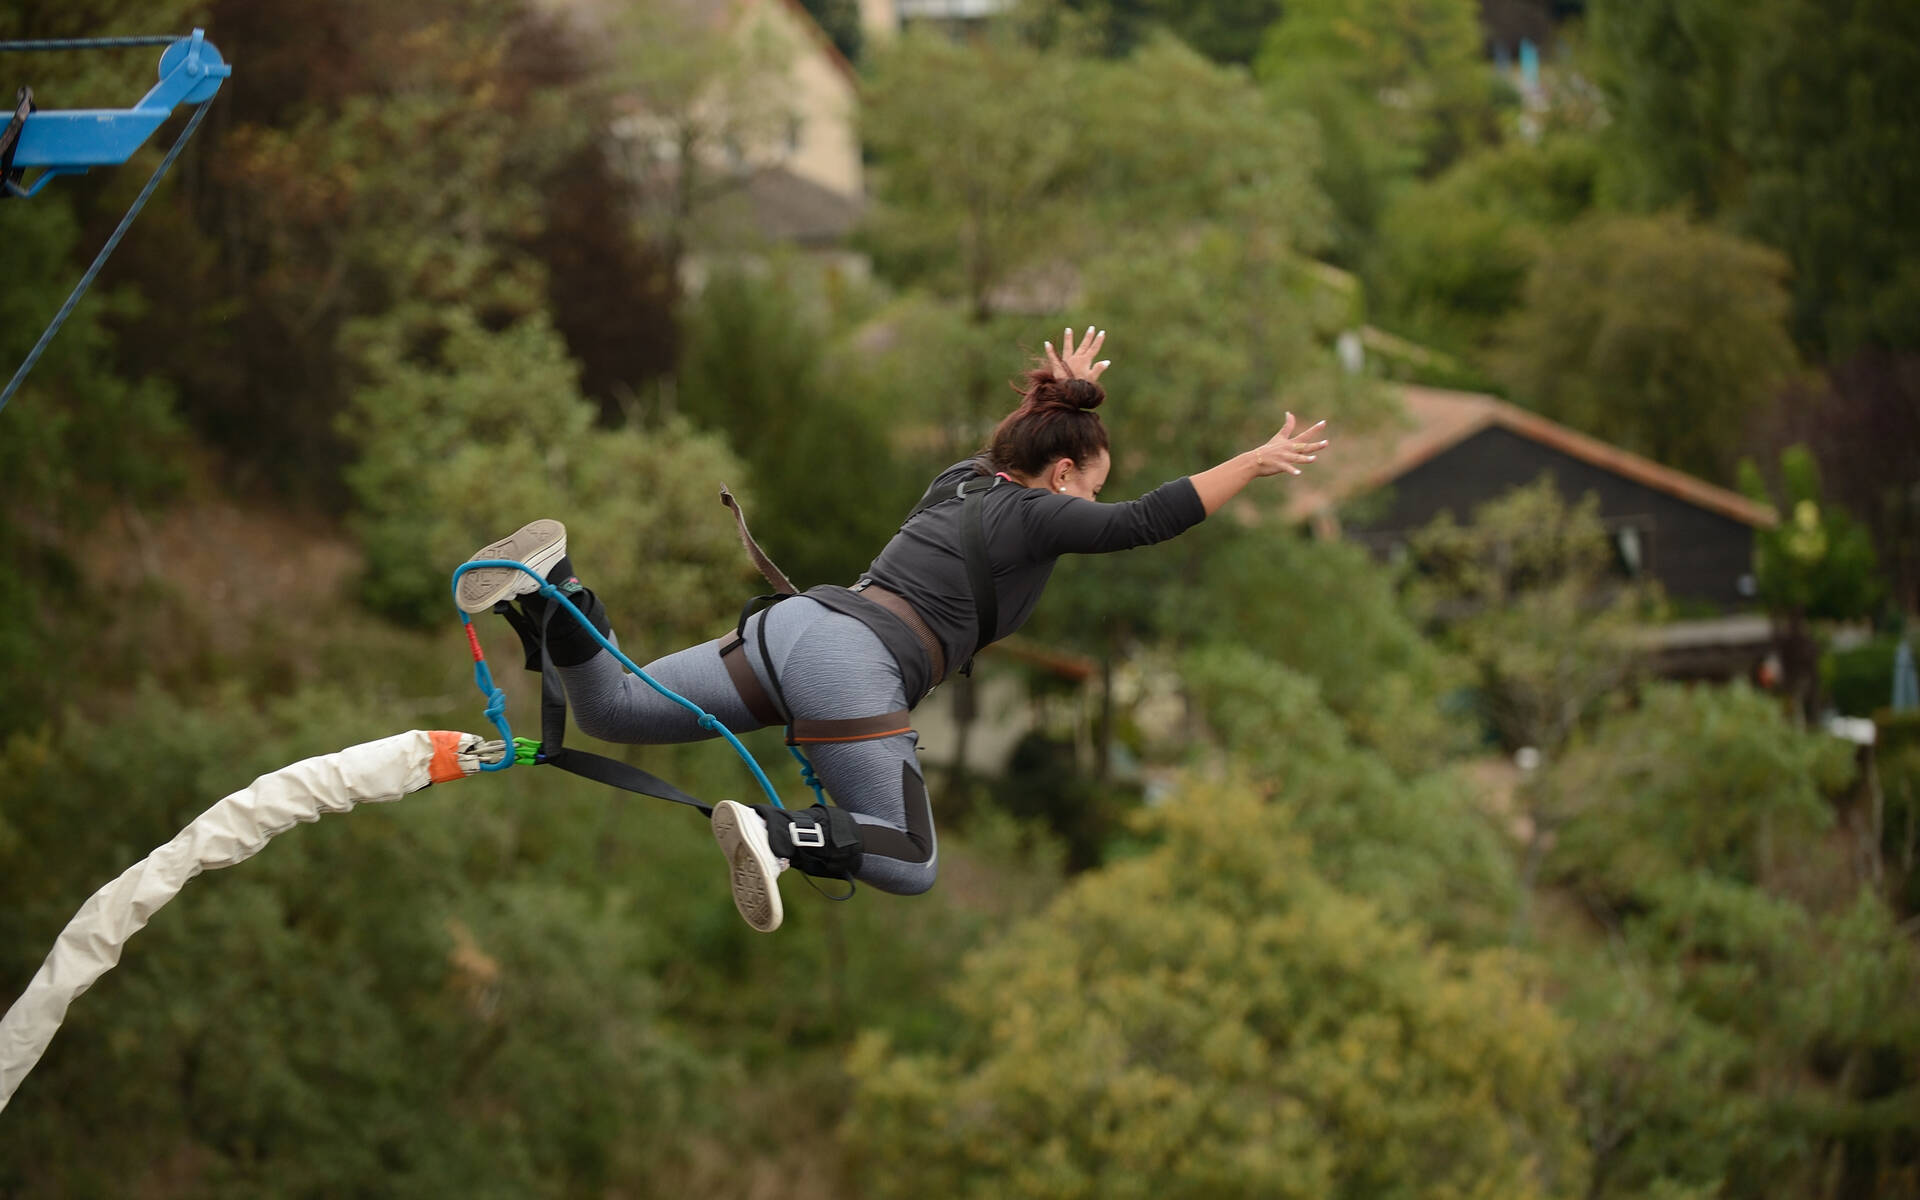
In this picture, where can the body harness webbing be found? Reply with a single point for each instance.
(768, 709)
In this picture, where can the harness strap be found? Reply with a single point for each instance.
(615, 773)
(10, 141)
(752, 694)
(973, 535)
(973, 543)
(903, 608)
(767, 711)
(774, 575)
(850, 729)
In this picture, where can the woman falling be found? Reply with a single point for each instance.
(844, 666)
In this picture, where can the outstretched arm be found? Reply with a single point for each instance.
(1282, 454)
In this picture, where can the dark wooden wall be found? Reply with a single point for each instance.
(1698, 555)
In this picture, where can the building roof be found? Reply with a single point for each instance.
(1436, 420)
(789, 207)
(822, 40)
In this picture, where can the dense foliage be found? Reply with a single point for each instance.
(1263, 908)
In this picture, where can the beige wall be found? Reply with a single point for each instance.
(879, 21)
(821, 99)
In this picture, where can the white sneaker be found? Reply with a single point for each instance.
(742, 835)
(539, 544)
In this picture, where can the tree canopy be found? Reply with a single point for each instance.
(1269, 903)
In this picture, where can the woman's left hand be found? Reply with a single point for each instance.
(1078, 363)
(1287, 450)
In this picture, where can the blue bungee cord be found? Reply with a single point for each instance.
(496, 710)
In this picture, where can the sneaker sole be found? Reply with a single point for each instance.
(750, 865)
(539, 544)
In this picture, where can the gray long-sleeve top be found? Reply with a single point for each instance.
(1027, 530)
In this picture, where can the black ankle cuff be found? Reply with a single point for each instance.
(822, 841)
(568, 644)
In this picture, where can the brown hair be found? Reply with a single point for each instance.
(1055, 420)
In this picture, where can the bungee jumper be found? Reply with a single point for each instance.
(843, 667)
(72, 142)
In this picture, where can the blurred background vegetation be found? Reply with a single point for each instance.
(1266, 908)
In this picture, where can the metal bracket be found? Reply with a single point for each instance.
(71, 141)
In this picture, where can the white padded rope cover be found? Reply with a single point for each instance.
(233, 830)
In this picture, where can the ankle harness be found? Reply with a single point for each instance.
(822, 841)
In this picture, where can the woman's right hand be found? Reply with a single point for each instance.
(1078, 364)
(1286, 450)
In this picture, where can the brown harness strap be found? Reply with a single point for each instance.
(903, 608)
(775, 575)
(804, 733)
(732, 653)
(853, 729)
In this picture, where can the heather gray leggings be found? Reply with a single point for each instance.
(831, 667)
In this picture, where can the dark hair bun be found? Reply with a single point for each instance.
(1083, 393)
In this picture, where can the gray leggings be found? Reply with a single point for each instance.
(831, 667)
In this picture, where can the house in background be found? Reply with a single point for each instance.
(1455, 451)
(802, 181)
(739, 126)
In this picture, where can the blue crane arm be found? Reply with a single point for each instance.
(67, 142)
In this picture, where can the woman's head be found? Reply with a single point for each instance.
(1054, 439)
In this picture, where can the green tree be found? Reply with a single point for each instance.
(1861, 424)
(757, 369)
(1227, 31)
(1817, 564)
(82, 435)
(1790, 121)
(1328, 612)
(407, 166)
(402, 998)
(1398, 88)
(1672, 72)
(1653, 333)
(1528, 594)
(450, 460)
(1215, 1019)
(997, 210)
(1830, 133)
(1453, 254)
(1386, 824)
(1743, 948)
